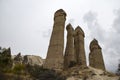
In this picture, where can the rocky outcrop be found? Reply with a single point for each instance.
(32, 60)
(79, 46)
(54, 59)
(88, 73)
(69, 57)
(27, 59)
(95, 56)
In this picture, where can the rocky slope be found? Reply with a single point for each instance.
(74, 73)
(89, 73)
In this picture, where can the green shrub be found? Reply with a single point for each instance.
(5, 60)
(40, 73)
(19, 69)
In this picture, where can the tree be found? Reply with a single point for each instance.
(5, 59)
(118, 70)
(40, 73)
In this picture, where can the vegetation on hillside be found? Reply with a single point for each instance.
(5, 60)
(40, 73)
(19, 71)
(118, 70)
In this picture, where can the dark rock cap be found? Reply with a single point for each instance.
(94, 42)
(60, 12)
(69, 26)
(79, 30)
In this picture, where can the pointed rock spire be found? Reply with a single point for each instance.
(79, 46)
(95, 56)
(69, 57)
(55, 59)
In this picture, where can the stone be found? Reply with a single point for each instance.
(79, 46)
(69, 57)
(95, 56)
(55, 59)
(89, 74)
(33, 60)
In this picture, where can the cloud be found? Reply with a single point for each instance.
(71, 21)
(112, 44)
(94, 28)
(114, 41)
(96, 31)
(108, 39)
(47, 33)
(90, 18)
(116, 24)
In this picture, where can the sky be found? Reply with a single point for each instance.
(26, 25)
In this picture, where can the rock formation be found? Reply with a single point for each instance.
(54, 59)
(69, 57)
(90, 73)
(79, 46)
(27, 59)
(32, 60)
(95, 56)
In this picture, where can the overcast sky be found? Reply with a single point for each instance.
(26, 25)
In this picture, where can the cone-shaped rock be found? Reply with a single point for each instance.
(95, 56)
(79, 46)
(69, 57)
(54, 59)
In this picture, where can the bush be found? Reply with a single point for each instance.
(19, 69)
(5, 60)
(40, 73)
(2, 76)
(118, 70)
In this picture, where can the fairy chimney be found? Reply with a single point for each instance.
(55, 59)
(95, 56)
(79, 46)
(69, 57)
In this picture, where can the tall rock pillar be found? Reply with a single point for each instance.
(69, 57)
(54, 59)
(95, 56)
(79, 46)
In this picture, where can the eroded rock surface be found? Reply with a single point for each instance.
(69, 57)
(95, 56)
(55, 59)
(79, 46)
